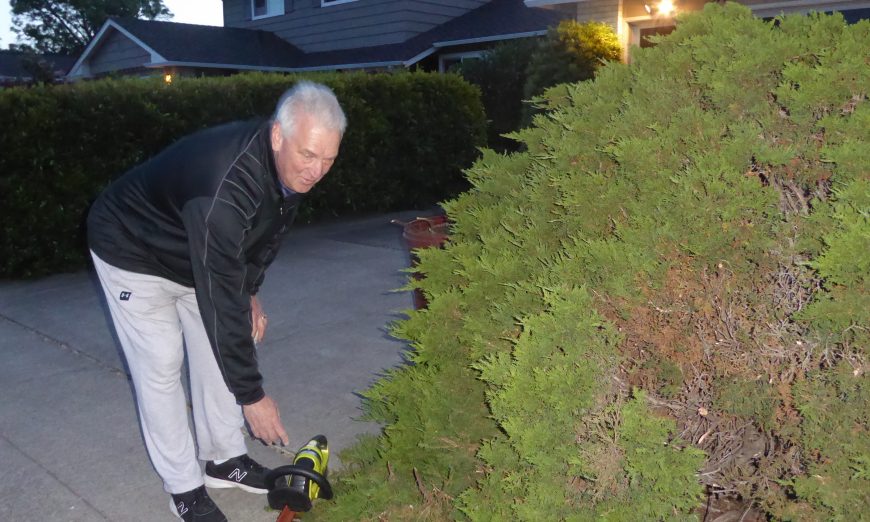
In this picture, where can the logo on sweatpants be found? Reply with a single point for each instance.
(125, 296)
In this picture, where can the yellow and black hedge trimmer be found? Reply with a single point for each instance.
(292, 489)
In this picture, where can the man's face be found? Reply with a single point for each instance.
(305, 156)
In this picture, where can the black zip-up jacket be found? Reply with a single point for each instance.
(208, 213)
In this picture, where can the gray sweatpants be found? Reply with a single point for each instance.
(155, 319)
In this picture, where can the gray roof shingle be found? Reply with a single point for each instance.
(191, 43)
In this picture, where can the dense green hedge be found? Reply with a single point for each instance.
(516, 71)
(660, 310)
(408, 139)
(501, 76)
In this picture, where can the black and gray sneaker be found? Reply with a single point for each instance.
(196, 506)
(239, 472)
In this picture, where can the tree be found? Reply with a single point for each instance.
(501, 75)
(665, 295)
(66, 26)
(513, 73)
(571, 52)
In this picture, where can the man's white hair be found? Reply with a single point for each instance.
(311, 98)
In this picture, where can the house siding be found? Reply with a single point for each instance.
(786, 4)
(118, 53)
(773, 8)
(363, 23)
(606, 11)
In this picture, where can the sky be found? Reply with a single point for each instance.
(205, 12)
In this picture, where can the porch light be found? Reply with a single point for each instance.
(662, 8)
(666, 7)
(167, 78)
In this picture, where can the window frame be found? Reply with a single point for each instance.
(635, 25)
(459, 57)
(330, 3)
(280, 11)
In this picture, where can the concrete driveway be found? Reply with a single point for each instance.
(69, 439)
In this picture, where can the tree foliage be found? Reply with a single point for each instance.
(659, 310)
(501, 76)
(66, 26)
(61, 145)
(571, 52)
(512, 73)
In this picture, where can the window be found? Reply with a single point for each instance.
(640, 29)
(266, 8)
(447, 61)
(646, 32)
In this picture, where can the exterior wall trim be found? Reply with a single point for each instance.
(541, 3)
(415, 59)
(484, 39)
(207, 65)
(350, 66)
(80, 68)
(775, 8)
(330, 3)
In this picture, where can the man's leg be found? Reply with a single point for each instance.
(146, 321)
(218, 419)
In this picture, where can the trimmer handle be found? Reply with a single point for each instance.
(282, 471)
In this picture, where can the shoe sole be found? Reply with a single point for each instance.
(212, 482)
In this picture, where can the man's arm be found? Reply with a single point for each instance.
(216, 231)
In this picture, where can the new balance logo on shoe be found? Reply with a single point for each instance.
(195, 506)
(125, 296)
(238, 472)
(238, 475)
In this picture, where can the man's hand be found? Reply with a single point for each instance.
(265, 421)
(258, 320)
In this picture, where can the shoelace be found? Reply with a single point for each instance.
(252, 464)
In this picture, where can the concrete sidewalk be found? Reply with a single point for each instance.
(69, 439)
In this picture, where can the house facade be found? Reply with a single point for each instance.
(311, 35)
(328, 25)
(635, 20)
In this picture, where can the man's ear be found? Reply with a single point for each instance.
(277, 136)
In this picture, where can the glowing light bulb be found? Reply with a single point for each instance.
(666, 7)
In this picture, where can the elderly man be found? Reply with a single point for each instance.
(180, 244)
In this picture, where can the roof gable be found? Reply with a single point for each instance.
(190, 43)
(170, 43)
